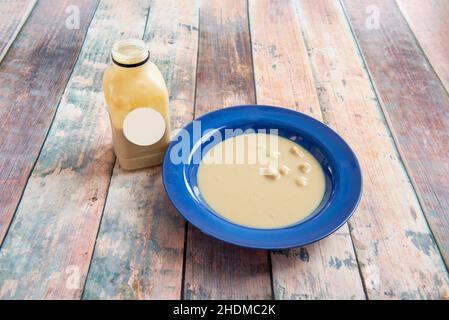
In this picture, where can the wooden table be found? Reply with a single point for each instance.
(74, 225)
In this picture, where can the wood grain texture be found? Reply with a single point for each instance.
(13, 14)
(395, 249)
(48, 249)
(416, 105)
(327, 269)
(33, 76)
(215, 270)
(429, 21)
(140, 247)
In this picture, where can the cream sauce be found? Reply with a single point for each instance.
(261, 180)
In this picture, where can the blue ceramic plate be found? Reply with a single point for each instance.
(342, 171)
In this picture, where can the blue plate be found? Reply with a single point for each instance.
(340, 165)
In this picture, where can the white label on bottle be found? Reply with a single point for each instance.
(144, 126)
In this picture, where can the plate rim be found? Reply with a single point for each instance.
(356, 196)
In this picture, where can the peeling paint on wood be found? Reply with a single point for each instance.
(215, 270)
(392, 266)
(327, 269)
(140, 246)
(48, 249)
(33, 76)
(139, 250)
(414, 100)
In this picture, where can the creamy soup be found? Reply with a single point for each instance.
(261, 181)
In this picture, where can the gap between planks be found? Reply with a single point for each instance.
(392, 263)
(428, 21)
(413, 99)
(22, 145)
(142, 258)
(5, 45)
(26, 258)
(283, 76)
(215, 269)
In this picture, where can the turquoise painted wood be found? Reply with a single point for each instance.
(140, 247)
(416, 104)
(85, 228)
(397, 256)
(214, 269)
(48, 249)
(283, 76)
(33, 76)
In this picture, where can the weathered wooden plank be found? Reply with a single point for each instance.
(214, 269)
(13, 15)
(49, 246)
(327, 269)
(396, 252)
(416, 105)
(33, 75)
(139, 251)
(429, 21)
(426, 148)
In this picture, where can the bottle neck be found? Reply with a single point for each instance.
(130, 53)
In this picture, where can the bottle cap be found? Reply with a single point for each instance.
(129, 52)
(144, 126)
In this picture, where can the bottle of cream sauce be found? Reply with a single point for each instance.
(137, 100)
